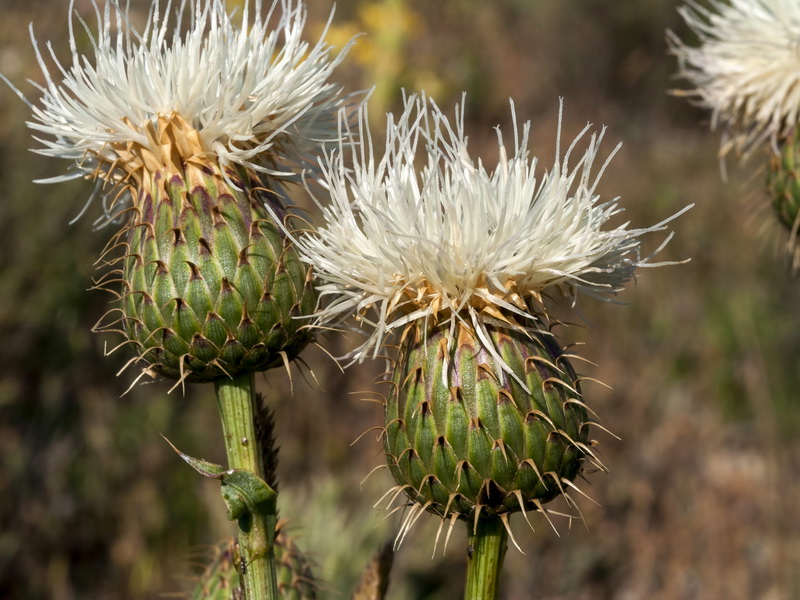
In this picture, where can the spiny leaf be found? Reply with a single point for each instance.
(243, 491)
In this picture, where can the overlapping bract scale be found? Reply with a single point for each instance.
(464, 435)
(213, 287)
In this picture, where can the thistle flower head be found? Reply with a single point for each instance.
(746, 69)
(458, 242)
(185, 125)
(153, 100)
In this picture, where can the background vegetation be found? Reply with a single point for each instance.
(701, 499)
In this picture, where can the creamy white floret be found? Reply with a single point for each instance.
(257, 96)
(455, 240)
(746, 69)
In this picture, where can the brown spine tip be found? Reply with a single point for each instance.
(485, 372)
(244, 257)
(492, 495)
(456, 395)
(195, 275)
(137, 258)
(147, 299)
(217, 217)
(161, 268)
(255, 229)
(410, 453)
(441, 349)
(178, 237)
(505, 397)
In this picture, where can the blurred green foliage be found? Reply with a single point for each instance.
(700, 499)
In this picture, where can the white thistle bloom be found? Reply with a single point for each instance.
(249, 95)
(746, 69)
(457, 242)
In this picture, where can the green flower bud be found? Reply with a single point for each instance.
(468, 436)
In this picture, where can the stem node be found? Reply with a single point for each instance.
(237, 408)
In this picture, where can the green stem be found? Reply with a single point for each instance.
(487, 549)
(237, 408)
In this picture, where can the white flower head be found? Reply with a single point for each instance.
(192, 86)
(746, 69)
(456, 242)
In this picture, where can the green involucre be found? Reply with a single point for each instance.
(464, 436)
(212, 288)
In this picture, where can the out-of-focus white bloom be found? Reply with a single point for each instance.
(242, 95)
(455, 241)
(746, 69)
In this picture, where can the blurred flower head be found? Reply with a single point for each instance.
(191, 87)
(456, 242)
(746, 69)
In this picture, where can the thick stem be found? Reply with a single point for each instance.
(487, 549)
(237, 408)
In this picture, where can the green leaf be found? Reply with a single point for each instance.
(244, 492)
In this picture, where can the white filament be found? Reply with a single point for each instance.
(399, 245)
(258, 97)
(746, 69)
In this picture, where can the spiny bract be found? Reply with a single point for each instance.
(465, 437)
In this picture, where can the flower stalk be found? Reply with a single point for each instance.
(256, 528)
(486, 550)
